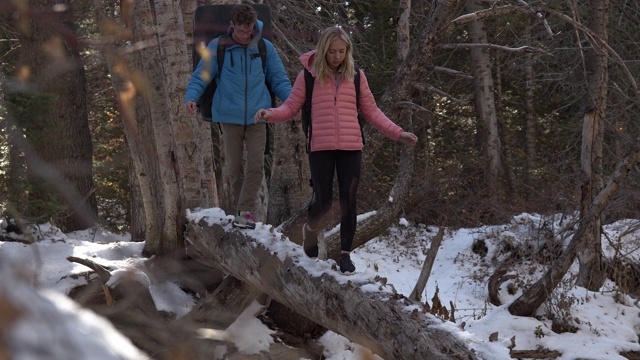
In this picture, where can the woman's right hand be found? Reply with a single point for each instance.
(262, 114)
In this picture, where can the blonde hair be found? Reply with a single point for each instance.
(320, 65)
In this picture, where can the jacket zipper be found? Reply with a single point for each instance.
(246, 86)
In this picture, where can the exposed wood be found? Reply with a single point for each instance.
(535, 354)
(129, 306)
(370, 319)
(221, 308)
(631, 355)
(416, 294)
(99, 269)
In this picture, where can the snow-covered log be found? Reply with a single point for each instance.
(369, 313)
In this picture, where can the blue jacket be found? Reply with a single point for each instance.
(241, 90)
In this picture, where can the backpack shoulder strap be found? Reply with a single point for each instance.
(262, 49)
(308, 84)
(306, 108)
(222, 47)
(356, 83)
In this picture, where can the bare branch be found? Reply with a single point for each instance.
(430, 88)
(538, 15)
(527, 49)
(450, 71)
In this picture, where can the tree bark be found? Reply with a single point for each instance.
(592, 274)
(377, 321)
(151, 112)
(188, 151)
(171, 152)
(50, 51)
(530, 128)
(289, 184)
(416, 294)
(222, 307)
(485, 103)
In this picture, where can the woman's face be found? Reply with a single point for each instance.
(336, 53)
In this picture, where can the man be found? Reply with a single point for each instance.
(241, 91)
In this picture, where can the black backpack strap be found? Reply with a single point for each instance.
(223, 41)
(306, 108)
(262, 49)
(356, 83)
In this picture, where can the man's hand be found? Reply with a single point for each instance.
(262, 114)
(191, 107)
(408, 138)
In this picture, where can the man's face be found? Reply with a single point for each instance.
(242, 33)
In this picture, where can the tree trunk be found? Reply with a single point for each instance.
(193, 177)
(416, 294)
(151, 115)
(485, 103)
(530, 128)
(171, 152)
(289, 186)
(49, 49)
(592, 274)
(375, 320)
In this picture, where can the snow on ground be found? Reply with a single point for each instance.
(606, 322)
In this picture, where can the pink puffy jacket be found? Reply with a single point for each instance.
(333, 111)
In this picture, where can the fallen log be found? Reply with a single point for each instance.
(369, 314)
(535, 354)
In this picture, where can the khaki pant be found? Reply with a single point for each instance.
(245, 181)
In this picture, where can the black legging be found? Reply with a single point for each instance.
(347, 165)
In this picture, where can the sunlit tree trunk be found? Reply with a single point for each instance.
(592, 274)
(171, 152)
(485, 102)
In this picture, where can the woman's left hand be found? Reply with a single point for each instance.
(408, 138)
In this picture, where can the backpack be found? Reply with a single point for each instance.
(307, 126)
(212, 21)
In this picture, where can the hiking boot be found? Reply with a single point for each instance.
(309, 241)
(244, 220)
(346, 265)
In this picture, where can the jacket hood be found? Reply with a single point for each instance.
(307, 61)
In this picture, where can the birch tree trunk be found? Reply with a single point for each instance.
(485, 103)
(171, 152)
(592, 274)
(209, 181)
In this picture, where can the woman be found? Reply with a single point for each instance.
(336, 141)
